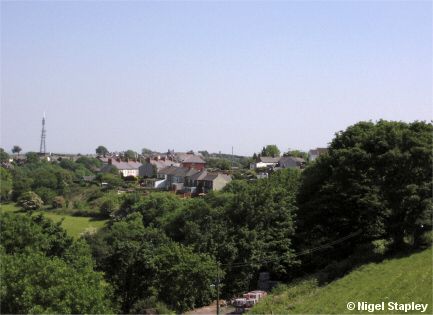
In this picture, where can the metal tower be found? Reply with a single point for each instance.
(43, 149)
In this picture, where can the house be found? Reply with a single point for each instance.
(264, 161)
(127, 168)
(178, 178)
(215, 181)
(289, 161)
(193, 161)
(314, 153)
(203, 182)
(147, 168)
(194, 183)
(155, 183)
(87, 178)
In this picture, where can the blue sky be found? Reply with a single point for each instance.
(202, 75)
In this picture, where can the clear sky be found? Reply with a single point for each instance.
(209, 75)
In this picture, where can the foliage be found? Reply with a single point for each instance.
(43, 271)
(109, 205)
(16, 149)
(90, 163)
(270, 150)
(32, 157)
(184, 277)
(224, 165)
(21, 186)
(58, 202)
(299, 154)
(130, 154)
(47, 194)
(4, 157)
(6, 184)
(145, 151)
(376, 178)
(101, 150)
(30, 201)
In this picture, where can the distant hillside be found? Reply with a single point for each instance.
(401, 280)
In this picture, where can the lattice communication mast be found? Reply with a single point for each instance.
(43, 149)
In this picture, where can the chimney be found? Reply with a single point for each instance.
(157, 158)
(110, 161)
(135, 160)
(260, 155)
(127, 160)
(118, 160)
(171, 158)
(148, 159)
(273, 155)
(164, 158)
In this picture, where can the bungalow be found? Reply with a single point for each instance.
(127, 168)
(264, 161)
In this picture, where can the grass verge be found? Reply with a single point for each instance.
(399, 280)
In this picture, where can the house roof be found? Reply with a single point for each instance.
(166, 169)
(198, 176)
(191, 159)
(269, 159)
(186, 171)
(122, 166)
(318, 151)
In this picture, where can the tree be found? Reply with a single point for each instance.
(32, 157)
(6, 184)
(129, 154)
(145, 151)
(270, 150)
(101, 150)
(376, 177)
(30, 201)
(4, 157)
(224, 165)
(16, 149)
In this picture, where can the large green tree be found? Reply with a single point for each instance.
(101, 150)
(376, 177)
(4, 157)
(270, 150)
(32, 157)
(16, 149)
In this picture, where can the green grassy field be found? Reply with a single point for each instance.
(74, 226)
(401, 280)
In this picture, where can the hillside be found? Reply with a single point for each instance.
(400, 280)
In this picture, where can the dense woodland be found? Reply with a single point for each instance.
(160, 252)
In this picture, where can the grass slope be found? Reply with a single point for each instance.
(74, 226)
(401, 280)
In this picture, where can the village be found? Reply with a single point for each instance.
(181, 173)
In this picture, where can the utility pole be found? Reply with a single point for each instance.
(218, 288)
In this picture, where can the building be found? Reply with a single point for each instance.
(127, 168)
(314, 153)
(193, 161)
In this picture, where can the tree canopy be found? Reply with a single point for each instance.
(101, 150)
(16, 149)
(376, 177)
(270, 150)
